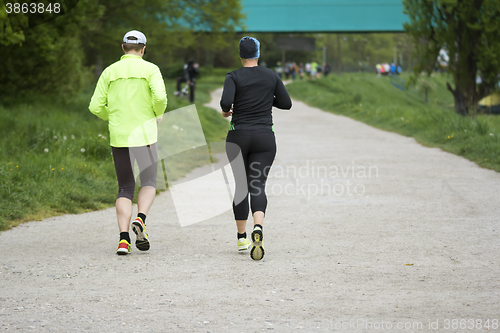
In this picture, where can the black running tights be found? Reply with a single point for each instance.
(258, 149)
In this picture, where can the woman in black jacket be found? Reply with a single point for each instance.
(249, 94)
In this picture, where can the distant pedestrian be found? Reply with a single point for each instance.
(279, 69)
(393, 69)
(190, 72)
(387, 69)
(131, 94)
(286, 70)
(314, 69)
(326, 69)
(319, 70)
(308, 70)
(293, 70)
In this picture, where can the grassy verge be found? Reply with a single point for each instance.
(373, 100)
(56, 159)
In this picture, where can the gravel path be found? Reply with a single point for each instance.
(366, 231)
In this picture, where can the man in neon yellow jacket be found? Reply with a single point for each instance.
(131, 96)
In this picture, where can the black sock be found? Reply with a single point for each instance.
(243, 235)
(258, 225)
(143, 217)
(125, 235)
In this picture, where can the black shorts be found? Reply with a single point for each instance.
(125, 158)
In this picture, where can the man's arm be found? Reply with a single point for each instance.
(159, 94)
(98, 103)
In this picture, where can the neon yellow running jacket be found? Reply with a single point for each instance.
(130, 94)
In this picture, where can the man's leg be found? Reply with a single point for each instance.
(123, 213)
(126, 185)
(145, 199)
(147, 160)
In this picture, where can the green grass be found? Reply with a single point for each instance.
(55, 159)
(373, 100)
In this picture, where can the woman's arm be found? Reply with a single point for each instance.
(281, 98)
(227, 99)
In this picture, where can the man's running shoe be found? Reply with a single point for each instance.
(243, 244)
(123, 247)
(177, 93)
(142, 240)
(257, 252)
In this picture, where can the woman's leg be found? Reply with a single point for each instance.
(237, 143)
(263, 151)
(258, 218)
(241, 225)
(260, 160)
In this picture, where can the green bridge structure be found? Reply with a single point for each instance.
(294, 16)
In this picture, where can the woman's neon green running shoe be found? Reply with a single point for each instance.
(257, 251)
(243, 244)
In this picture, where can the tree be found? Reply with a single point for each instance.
(11, 27)
(213, 20)
(49, 57)
(469, 31)
(174, 29)
(54, 55)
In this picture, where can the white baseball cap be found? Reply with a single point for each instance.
(141, 38)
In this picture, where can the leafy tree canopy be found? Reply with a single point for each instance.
(56, 57)
(469, 31)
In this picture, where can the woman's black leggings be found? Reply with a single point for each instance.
(258, 149)
(125, 158)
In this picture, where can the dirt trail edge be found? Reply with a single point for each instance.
(365, 231)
